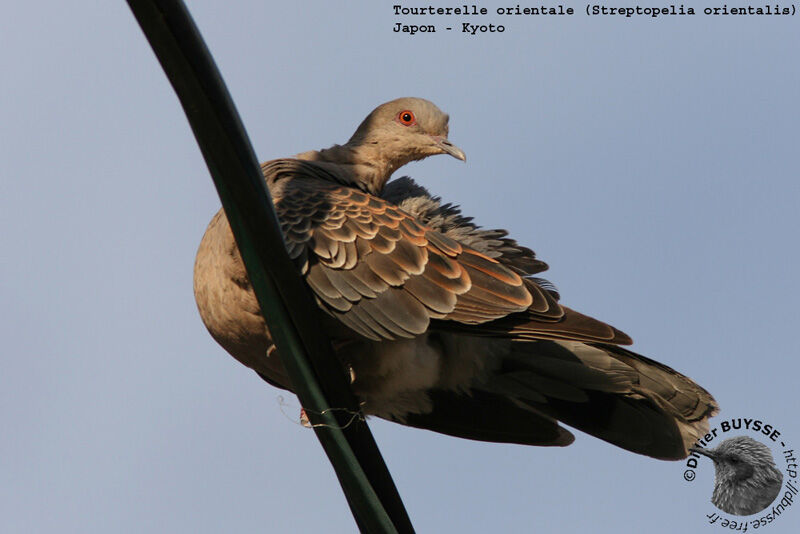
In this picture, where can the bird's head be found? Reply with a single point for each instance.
(738, 459)
(405, 130)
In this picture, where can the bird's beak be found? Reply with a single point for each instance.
(704, 452)
(449, 148)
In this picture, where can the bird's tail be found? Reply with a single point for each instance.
(606, 391)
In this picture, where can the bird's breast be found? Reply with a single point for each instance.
(227, 304)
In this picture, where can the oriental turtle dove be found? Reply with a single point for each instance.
(443, 324)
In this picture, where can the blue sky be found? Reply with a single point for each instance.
(651, 162)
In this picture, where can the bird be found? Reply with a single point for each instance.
(443, 325)
(746, 480)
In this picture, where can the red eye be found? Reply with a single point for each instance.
(406, 118)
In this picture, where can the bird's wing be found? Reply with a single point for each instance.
(386, 275)
(495, 243)
(447, 218)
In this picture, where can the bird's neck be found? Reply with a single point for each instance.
(362, 165)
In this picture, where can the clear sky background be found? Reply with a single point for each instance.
(651, 162)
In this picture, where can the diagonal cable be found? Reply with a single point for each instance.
(315, 373)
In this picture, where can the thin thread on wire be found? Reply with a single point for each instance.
(354, 416)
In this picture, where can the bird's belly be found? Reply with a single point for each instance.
(391, 377)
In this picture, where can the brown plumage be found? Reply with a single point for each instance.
(442, 323)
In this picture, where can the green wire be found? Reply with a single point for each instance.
(285, 301)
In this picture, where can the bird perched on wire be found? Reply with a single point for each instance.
(442, 324)
(746, 480)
